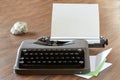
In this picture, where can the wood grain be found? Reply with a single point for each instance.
(37, 13)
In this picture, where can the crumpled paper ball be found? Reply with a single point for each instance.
(19, 28)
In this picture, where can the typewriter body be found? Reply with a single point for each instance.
(52, 57)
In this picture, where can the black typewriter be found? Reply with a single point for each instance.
(43, 56)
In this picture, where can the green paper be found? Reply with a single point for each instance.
(97, 71)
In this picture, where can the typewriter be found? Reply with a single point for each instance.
(43, 56)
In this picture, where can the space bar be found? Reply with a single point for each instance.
(50, 66)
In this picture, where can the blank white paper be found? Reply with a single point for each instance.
(75, 21)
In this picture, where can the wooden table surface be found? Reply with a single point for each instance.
(37, 13)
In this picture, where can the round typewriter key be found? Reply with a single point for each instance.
(62, 57)
(45, 53)
(76, 53)
(33, 50)
(58, 49)
(29, 49)
(31, 53)
(68, 49)
(22, 58)
(51, 53)
(48, 49)
(41, 57)
(67, 57)
(43, 61)
(81, 62)
(71, 53)
(39, 50)
(75, 61)
(59, 61)
(25, 53)
(31, 58)
(72, 57)
(36, 57)
(62, 53)
(64, 62)
(64, 49)
(54, 61)
(28, 62)
(38, 61)
(56, 53)
(74, 49)
(21, 62)
(44, 50)
(53, 49)
(77, 57)
(36, 53)
(79, 49)
(46, 57)
(49, 61)
(27, 58)
(33, 61)
(51, 57)
(57, 57)
(24, 50)
(41, 53)
(66, 53)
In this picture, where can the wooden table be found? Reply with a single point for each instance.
(37, 13)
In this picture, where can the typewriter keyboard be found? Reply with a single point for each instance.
(51, 58)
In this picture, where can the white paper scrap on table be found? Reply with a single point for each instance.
(75, 21)
(95, 62)
(106, 65)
